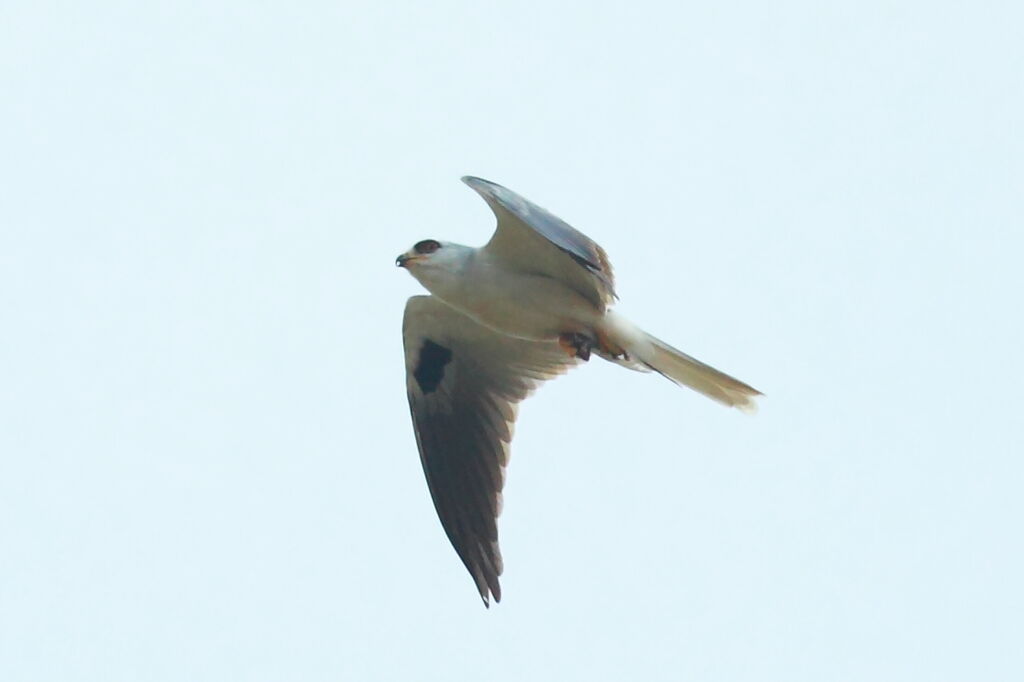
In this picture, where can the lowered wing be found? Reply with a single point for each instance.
(464, 383)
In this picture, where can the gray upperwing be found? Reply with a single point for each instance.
(581, 248)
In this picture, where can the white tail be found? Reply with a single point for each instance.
(648, 352)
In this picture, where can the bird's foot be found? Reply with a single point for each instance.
(576, 345)
(611, 350)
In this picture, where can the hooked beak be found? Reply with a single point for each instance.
(405, 258)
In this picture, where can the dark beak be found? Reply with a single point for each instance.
(400, 261)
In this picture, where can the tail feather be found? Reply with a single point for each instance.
(652, 353)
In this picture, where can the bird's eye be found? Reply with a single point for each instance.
(427, 246)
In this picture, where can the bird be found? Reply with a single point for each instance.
(533, 302)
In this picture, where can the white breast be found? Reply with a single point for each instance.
(521, 304)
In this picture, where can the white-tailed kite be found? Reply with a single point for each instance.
(525, 307)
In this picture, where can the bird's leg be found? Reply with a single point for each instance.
(610, 349)
(576, 345)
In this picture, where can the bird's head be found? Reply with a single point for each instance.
(434, 263)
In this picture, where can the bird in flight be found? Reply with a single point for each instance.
(501, 319)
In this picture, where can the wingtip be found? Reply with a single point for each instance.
(487, 594)
(479, 184)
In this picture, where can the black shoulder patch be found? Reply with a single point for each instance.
(430, 368)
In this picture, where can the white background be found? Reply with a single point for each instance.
(207, 468)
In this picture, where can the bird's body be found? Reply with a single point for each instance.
(525, 307)
(520, 304)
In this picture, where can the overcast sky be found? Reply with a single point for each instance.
(207, 466)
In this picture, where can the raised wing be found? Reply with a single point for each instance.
(526, 234)
(464, 383)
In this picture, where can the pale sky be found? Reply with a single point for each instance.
(207, 466)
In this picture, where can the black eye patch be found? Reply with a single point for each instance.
(427, 246)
